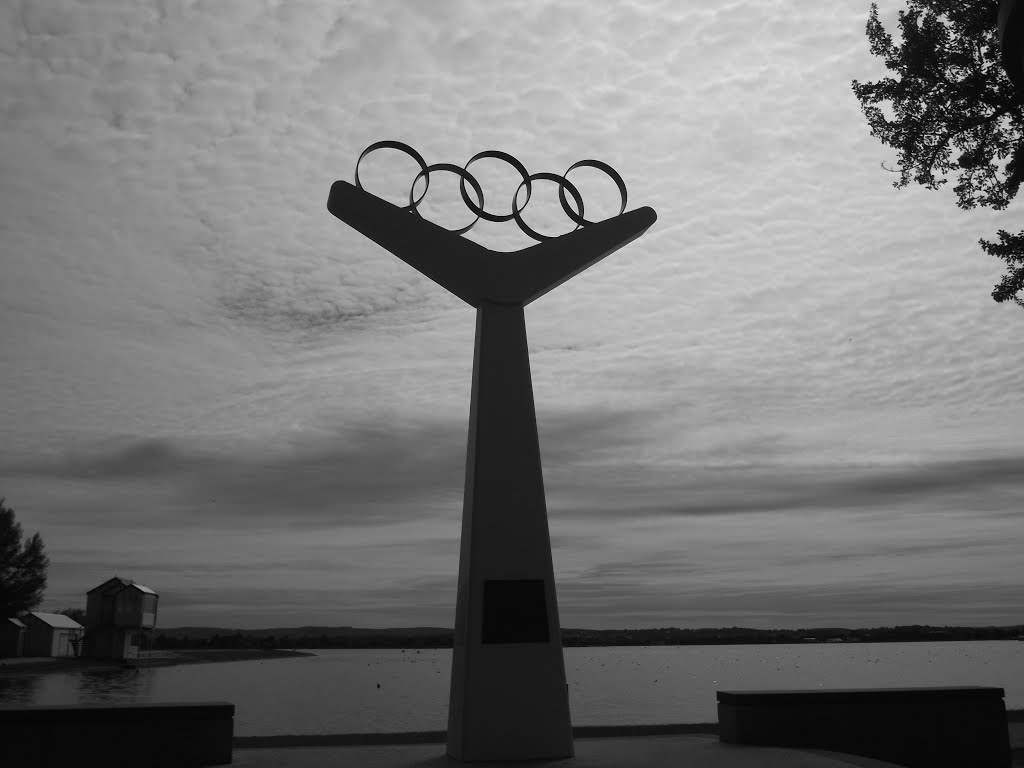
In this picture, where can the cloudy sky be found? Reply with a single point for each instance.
(791, 403)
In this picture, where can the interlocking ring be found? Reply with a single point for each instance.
(495, 154)
(563, 183)
(388, 144)
(464, 176)
(478, 209)
(601, 166)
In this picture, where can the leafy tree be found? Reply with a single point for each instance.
(951, 110)
(76, 614)
(22, 568)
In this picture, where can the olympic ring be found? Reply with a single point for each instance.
(386, 144)
(563, 183)
(477, 208)
(463, 175)
(497, 155)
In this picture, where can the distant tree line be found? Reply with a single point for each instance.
(189, 640)
(442, 638)
(747, 635)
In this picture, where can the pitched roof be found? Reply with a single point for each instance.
(16, 622)
(120, 583)
(115, 581)
(57, 620)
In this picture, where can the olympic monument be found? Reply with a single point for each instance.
(509, 699)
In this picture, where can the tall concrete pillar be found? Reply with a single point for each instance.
(508, 691)
(509, 699)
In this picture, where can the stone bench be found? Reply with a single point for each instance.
(128, 735)
(926, 727)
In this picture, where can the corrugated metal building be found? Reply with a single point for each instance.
(51, 634)
(117, 614)
(12, 637)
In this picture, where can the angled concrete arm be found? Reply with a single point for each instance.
(472, 272)
(547, 265)
(449, 260)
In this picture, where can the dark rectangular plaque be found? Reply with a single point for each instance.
(515, 611)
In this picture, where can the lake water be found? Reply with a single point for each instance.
(336, 690)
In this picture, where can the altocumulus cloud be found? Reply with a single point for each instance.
(792, 398)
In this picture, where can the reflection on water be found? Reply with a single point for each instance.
(111, 686)
(18, 689)
(86, 686)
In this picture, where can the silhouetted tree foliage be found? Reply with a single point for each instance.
(22, 567)
(950, 109)
(77, 614)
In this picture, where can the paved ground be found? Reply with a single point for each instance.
(693, 751)
(695, 746)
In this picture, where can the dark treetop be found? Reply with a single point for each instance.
(950, 110)
(22, 567)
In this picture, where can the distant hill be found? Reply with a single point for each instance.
(440, 637)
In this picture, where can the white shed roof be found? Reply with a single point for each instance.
(16, 622)
(142, 588)
(57, 620)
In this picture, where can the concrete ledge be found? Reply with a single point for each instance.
(289, 740)
(926, 727)
(118, 736)
(440, 737)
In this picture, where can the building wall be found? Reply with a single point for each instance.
(112, 643)
(107, 603)
(121, 606)
(38, 637)
(129, 608)
(103, 643)
(61, 644)
(94, 609)
(44, 640)
(149, 604)
(12, 640)
(135, 609)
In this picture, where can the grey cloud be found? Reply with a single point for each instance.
(788, 607)
(365, 464)
(652, 567)
(312, 309)
(146, 567)
(423, 602)
(365, 470)
(364, 474)
(938, 477)
(961, 547)
(637, 491)
(125, 459)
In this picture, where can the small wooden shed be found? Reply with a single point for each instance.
(51, 634)
(12, 637)
(119, 614)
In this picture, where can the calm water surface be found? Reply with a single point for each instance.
(336, 691)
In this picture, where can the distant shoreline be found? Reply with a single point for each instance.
(158, 659)
(312, 638)
(205, 645)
